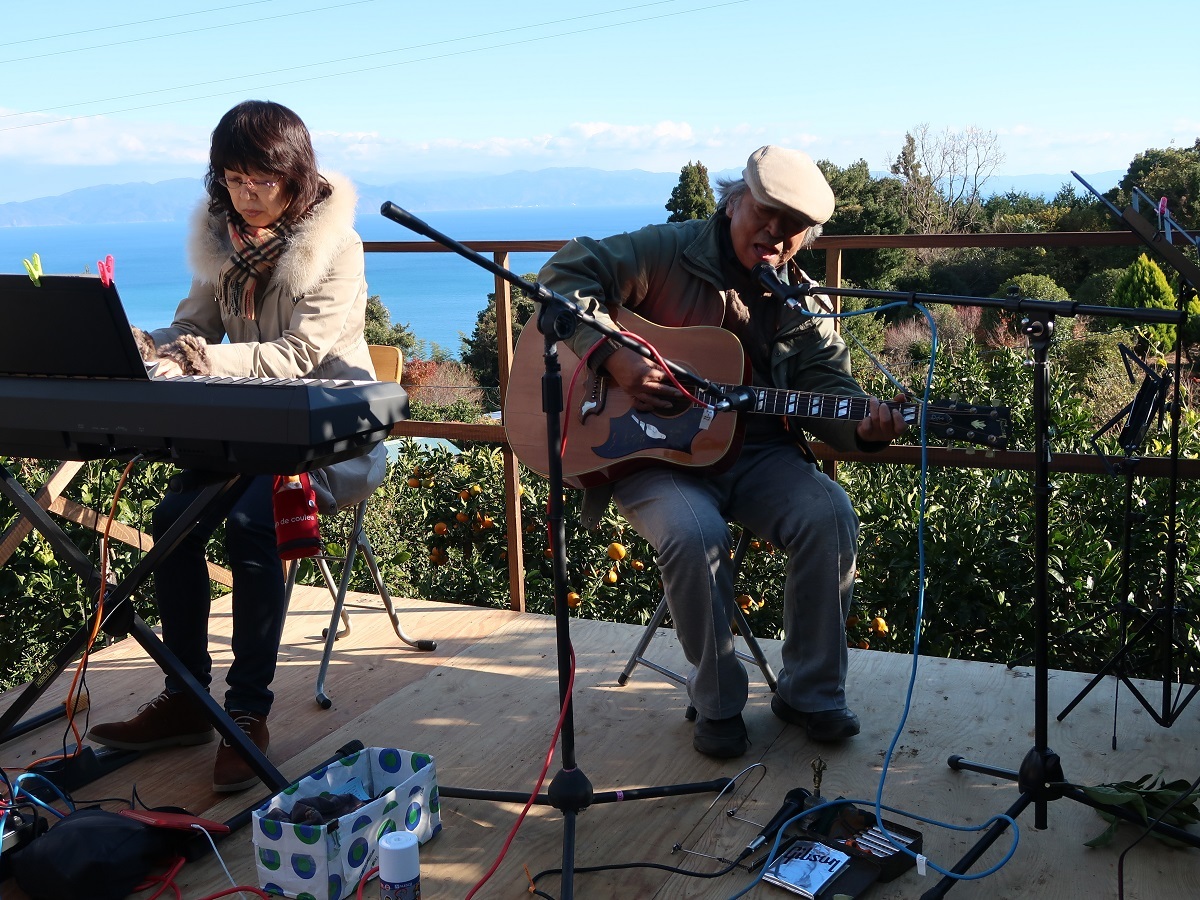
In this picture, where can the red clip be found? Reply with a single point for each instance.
(105, 268)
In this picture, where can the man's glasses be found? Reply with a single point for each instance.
(246, 184)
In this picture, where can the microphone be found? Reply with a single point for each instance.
(793, 803)
(765, 275)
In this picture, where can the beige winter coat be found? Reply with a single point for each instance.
(309, 319)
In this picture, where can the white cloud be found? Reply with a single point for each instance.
(98, 141)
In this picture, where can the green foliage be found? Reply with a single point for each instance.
(42, 600)
(1033, 287)
(480, 351)
(1151, 799)
(692, 197)
(1173, 173)
(1144, 286)
(380, 330)
(867, 205)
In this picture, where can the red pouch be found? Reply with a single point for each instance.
(296, 527)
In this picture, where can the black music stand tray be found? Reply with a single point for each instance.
(119, 619)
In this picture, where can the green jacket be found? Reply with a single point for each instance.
(671, 274)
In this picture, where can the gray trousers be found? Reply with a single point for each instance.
(781, 497)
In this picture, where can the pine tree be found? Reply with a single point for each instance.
(693, 196)
(1144, 286)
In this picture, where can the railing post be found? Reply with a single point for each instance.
(512, 475)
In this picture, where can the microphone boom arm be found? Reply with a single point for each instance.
(552, 300)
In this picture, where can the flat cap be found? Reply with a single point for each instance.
(789, 179)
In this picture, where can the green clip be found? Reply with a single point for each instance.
(34, 268)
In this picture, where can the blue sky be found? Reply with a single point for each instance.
(129, 90)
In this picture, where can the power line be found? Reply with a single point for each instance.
(94, 28)
(154, 37)
(331, 62)
(374, 68)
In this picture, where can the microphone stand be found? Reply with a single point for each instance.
(570, 791)
(1040, 778)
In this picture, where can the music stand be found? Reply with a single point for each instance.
(570, 792)
(1040, 777)
(1150, 402)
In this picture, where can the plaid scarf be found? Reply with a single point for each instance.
(255, 251)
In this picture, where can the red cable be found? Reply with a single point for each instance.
(541, 778)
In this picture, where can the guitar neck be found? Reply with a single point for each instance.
(780, 402)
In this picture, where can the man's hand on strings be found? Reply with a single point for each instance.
(648, 386)
(883, 422)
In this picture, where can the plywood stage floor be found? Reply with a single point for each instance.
(484, 705)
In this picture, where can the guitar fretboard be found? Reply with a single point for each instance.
(780, 402)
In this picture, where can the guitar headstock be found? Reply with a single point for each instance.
(986, 426)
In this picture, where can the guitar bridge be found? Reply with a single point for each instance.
(596, 396)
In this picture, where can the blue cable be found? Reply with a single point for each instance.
(20, 779)
(877, 803)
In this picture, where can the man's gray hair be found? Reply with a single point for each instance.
(734, 189)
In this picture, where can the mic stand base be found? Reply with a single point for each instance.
(1040, 778)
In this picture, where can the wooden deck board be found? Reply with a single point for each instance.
(484, 705)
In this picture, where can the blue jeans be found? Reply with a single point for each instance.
(181, 590)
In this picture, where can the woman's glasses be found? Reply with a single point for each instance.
(246, 184)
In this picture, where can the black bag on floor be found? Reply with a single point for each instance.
(92, 853)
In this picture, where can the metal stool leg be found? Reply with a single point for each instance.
(638, 657)
(368, 553)
(755, 655)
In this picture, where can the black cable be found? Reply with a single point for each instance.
(1191, 789)
(614, 867)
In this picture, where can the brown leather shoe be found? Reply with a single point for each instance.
(232, 773)
(169, 720)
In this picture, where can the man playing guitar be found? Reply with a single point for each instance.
(698, 273)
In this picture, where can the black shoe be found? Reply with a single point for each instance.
(723, 738)
(825, 726)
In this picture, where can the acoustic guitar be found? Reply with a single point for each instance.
(606, 438)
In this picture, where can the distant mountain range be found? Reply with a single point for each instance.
(173, 200)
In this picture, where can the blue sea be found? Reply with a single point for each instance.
(437, 295)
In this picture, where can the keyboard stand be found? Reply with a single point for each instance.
(120, 618)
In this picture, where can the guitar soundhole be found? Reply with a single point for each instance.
(678, 407)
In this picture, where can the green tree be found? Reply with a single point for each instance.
(692, 197)
(380, 330)
(868, 205)
(1173, 173)
(480, 351)
(1144, 286)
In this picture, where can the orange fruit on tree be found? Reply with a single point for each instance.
(616, 551)
(414, 482)
(464, 494)
(852, 621)
(637, 565)
(745, 601)
(440, 528)
(611, 576)
(573, 600)
(879, 625)
(462, 516)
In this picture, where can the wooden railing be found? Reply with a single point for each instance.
(835, 247)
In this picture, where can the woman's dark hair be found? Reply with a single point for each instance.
(261, 136)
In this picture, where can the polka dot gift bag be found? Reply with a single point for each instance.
(315, 839)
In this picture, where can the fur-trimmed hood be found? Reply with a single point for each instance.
(317, 241)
